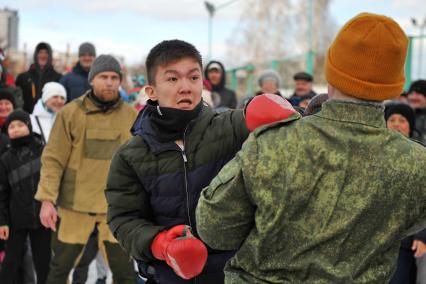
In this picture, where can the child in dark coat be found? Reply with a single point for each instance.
(19, 211)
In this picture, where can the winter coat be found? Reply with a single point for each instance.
(32, 81)
(19, 177)
(296, 100)
(42, 120)
(4, 143)
(78, 155)
(420, 130)
(228, 98)
(153, 186)
(76, 82)
(323, 199)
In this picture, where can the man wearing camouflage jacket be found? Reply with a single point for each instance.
(327, 198)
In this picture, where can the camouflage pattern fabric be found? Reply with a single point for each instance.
(323, 199)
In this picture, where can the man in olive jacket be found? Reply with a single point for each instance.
(328, 198)
(179, 145)
(74, 170)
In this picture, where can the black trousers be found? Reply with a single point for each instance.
(406, 270)
(15, 246)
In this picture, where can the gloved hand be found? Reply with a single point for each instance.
(265, 109)
(184, 253)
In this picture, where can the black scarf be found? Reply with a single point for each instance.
(21, 141)
(102, 105)
(169, 124)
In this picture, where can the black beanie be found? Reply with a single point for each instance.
(7, 95)
(418, 86)
(403, 109)
(18, 115)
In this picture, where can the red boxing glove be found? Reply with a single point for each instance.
(183, 252)
(265, 109)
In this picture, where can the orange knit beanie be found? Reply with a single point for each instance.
(366, 59)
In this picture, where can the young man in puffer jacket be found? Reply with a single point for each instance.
(179, 144)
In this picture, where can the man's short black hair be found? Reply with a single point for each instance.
(169, 51)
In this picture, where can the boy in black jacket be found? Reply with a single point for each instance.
(19, 211)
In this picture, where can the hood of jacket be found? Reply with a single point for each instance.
(40, 46)
(222, 82)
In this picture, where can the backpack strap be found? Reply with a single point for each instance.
(41, 130)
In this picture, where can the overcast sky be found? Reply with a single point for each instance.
(131, 27)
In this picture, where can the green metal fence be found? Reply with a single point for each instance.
(243, 79)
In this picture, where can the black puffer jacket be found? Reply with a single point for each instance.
(19, 177)
(33, 81)
(153, 186)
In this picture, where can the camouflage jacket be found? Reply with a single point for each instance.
(323, 199)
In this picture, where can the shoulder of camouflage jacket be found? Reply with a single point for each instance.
(262, 129)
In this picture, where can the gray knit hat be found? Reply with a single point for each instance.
(86, 48)
(105, 63)
(269, 75)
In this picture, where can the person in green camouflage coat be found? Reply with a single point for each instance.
(326, 198)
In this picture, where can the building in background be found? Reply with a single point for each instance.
(9, 22)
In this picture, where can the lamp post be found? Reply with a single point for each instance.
(310, 53)
(421, 27)
(211, 9)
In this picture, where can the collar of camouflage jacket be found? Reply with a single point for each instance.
(354, 112)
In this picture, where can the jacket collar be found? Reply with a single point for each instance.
(89, 107)
(142, 127)
(354, 112)
(77, 69)
(36, 69)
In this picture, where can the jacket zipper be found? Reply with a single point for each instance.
(185, 161)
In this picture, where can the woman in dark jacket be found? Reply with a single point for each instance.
(19, 211)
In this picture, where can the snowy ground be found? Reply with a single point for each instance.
(93, 275)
